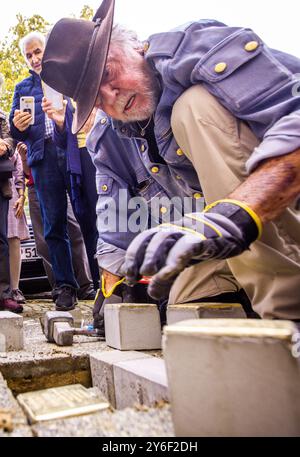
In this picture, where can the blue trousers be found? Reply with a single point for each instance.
(87, 218)
(51, 183)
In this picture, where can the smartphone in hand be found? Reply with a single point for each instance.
(27, 106)
(53, 96)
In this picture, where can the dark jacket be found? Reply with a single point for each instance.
(35, 134)
(67, 141)
(5, 186)
(5, 134)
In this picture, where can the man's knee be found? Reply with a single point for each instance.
(197, 105)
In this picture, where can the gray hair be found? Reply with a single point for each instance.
(29, 38)
(124, 38)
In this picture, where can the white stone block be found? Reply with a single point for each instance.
(132, 327)
(2, 343)
(77, 316)
(11, 326)
(179, 313)
(102, 370)
(140, 382)
(233, 378)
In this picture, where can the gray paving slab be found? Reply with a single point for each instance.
(141, 382)
(102, 370)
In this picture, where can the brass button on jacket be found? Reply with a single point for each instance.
(197, 196)
(220, 67)
(251, 46)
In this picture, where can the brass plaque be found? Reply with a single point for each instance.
(61, 402)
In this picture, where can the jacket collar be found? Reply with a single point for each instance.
(35, 75)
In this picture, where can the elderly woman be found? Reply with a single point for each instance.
(6, 150)
(17, 224)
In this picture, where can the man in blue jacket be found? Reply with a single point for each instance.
(48, 167)
(231, 106)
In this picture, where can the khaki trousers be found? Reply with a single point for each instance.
(218, 145)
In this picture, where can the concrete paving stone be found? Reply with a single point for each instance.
(140, 382)
(102, 370)
(154, 422)
(2, 343)
(233, 378)
(132, 327)
(9, 404)
(11, 326)
(78, 316)
(178, 313)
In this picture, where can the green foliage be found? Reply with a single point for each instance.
(87, 13)
(12, 64)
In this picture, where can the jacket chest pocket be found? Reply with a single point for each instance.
(171, 152)
(104, 185)
(241, 70)
(149, 190)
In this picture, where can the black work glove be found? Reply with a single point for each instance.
(225, 229)
(122, 293)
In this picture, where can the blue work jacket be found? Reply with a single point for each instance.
(123, 175)
(257, 85)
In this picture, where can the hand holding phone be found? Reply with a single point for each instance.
(27, 106)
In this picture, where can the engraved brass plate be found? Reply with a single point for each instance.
(61, 402)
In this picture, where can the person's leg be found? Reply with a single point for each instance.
(4, 250)
(51, 192)
(38, 231)
(218, 145)
(88, 220)
(79, 257)
(14, 261)
(6, 300)
(204, 280)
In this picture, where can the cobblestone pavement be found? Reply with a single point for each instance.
(37, 308)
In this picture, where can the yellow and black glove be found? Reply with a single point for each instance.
(225, 229)
(119, 293)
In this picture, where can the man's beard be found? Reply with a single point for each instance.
(151, 95)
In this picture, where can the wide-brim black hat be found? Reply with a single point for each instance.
(75, 57)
